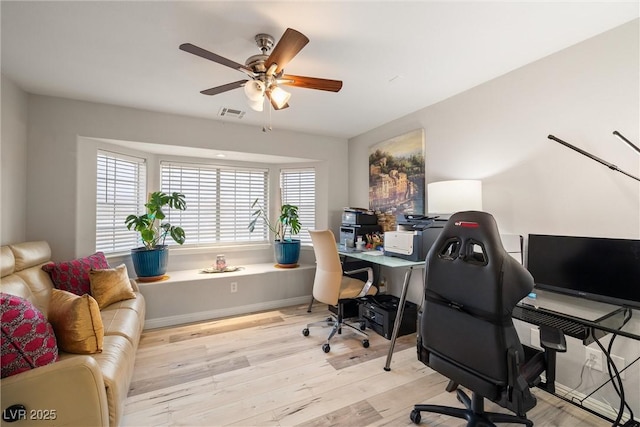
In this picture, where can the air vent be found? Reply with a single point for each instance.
(230, 112)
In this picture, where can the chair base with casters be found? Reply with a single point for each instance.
(332, 285)
(474, 412)
(337, 322)
(536, 362)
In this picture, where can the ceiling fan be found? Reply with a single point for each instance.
(266, 71)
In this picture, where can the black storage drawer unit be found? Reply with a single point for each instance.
(380, 313)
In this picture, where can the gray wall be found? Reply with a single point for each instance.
(497, 132)
(13, 155)
(60, 152)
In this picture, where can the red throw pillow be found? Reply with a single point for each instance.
(28, 340)
(73, 276)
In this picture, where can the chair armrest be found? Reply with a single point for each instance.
(68, 392)
(367, 284)
(518, 397)
(552, 339)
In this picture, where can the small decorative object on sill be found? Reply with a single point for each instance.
(227, 269)
(221, 262)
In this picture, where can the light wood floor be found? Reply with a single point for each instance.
(259, 370)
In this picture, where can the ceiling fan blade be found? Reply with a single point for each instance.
(290, 44)
(219, 89)
(311, 82)
(195, 50)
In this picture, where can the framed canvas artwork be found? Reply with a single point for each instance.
(397, 175)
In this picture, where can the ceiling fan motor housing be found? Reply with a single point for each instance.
(265, 42)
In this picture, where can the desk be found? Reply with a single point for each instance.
(393, 262)
(587, 321)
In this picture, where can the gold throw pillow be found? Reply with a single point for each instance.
(110, 285)
(76, 322)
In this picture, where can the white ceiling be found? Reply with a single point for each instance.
(394, 57)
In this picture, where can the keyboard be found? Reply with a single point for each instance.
(538, 316)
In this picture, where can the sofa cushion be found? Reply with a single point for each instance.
(40, 285)
(122, 321)
(73, 276)
(28, 340)
(76, 322)
(30, 254)
(15, 285)
(7, 261)
(110, 285)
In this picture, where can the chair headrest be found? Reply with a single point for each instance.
(469, 265)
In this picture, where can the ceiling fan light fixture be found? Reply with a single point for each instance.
(256, 105)
(254, 89)
(279, 97)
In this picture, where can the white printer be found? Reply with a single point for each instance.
(413, 237)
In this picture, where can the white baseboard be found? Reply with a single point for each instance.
(162, 322)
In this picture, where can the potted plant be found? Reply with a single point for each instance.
(150, 261)
(287, 249)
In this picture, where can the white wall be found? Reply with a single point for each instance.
(13, 157)
(497, 132)
(59, 165)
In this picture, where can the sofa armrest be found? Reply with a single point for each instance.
(70, 392)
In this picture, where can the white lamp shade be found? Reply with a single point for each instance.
(280, 97)
(447, 197)
(257, 105)
(254, 89)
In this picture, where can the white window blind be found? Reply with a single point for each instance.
(218, 201)
(298, 188)
(120, 192)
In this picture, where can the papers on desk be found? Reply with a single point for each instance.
(373, 253)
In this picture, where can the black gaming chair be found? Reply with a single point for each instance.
(466, 331)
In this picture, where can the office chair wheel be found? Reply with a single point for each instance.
(305, 332)
(363, 325)
(329, 319)
(326, 348)
(365, 343)
(415, 416)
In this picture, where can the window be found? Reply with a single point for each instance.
(120, 192)
(299, 188)
(218, 200)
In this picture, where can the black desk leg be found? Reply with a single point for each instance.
(398, 320)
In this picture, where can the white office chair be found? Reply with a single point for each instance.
(331, 287)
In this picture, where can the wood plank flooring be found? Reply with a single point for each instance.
(259, 370)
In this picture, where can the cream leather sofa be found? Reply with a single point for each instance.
(84, 390)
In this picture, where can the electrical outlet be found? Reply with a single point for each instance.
(234, 287)
(594, 357)
(535, 337)
(619, 362)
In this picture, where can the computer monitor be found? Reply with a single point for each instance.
(600, 269)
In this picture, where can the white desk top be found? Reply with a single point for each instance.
(377, 258)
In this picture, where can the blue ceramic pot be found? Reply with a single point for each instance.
(287, 252)
(150, 263)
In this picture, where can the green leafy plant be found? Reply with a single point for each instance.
(287, 223)
(152, 231)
